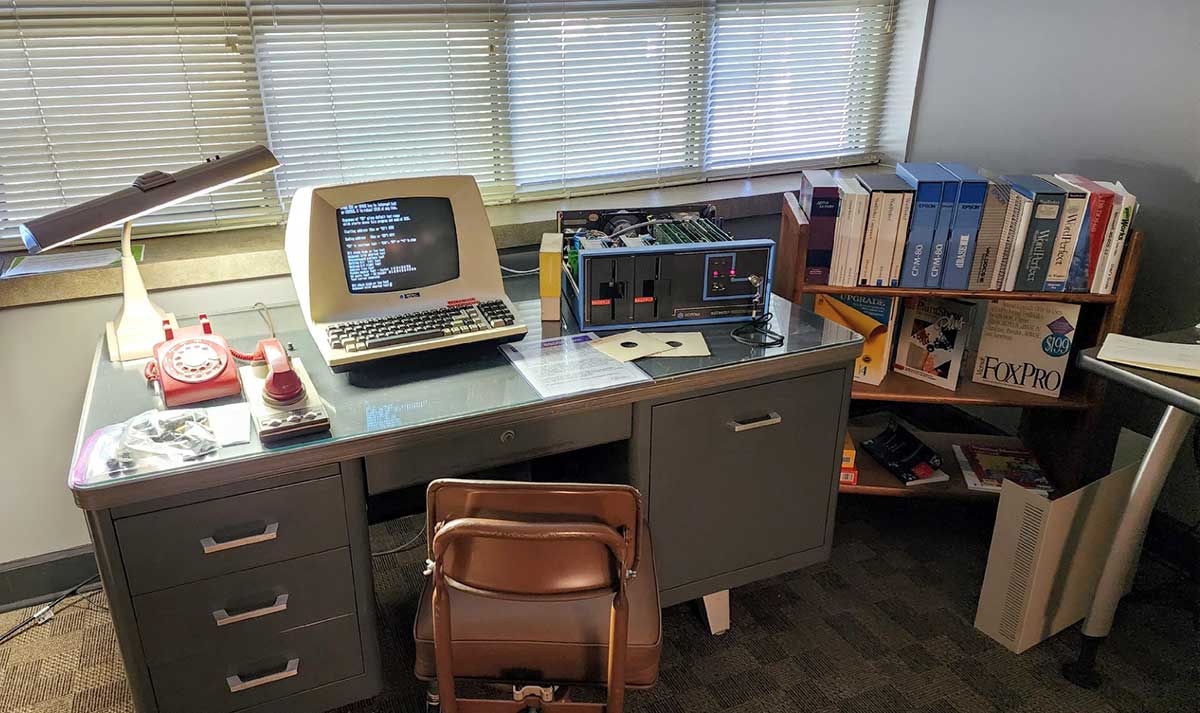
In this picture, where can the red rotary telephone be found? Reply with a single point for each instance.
(193, 364)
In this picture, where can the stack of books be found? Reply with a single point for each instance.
(945, 226)
(1022, 345)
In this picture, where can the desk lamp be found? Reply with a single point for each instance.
(139, 324)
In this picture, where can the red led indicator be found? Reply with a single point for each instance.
(716, 274)
(732, 273)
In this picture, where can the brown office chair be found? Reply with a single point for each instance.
(549, 584)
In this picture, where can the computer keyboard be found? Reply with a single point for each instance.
(475, 321)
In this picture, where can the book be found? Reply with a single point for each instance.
(1039, 236)
(1069, 228)
(987, 244)
(1026, 346)
(870, 237)
(964, 228)
(926, 180)
(1110, 236)
(941, 233)
(848, 452)
(851, 226)
(985, 468)
(1091, 238)
(883, 225)
(1124, 219)
(1013, 242)
(819, 199)
(848, 475)
(933, 337)
(905, 456)
(872, 317)
(901, 231)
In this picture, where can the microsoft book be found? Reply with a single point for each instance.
(1026, 346)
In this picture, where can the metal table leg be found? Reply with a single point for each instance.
(1127, 543)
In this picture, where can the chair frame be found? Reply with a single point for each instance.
(621, 548)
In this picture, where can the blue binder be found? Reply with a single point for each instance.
(926, 179)
(964, 229)
(941, 233)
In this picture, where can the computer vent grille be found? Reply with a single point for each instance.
(1015, 598)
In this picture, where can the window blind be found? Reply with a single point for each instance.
(605, 94)
(359, 91)
(92, 94)
(795, 83)
(535, 99)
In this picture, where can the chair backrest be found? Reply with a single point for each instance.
(534, 539)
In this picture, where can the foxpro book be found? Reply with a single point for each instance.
(1026, 346)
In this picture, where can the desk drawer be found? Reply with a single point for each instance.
(496, 445)
(743, 477)
(237, 677)
(193, 542)
(244, 607)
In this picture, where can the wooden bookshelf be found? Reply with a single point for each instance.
(1071, 297)
(1066, 434)
(873, 479)
(897, 387)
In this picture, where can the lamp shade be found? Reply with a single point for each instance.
(150, 192)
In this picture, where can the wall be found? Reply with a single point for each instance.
(41, 394)
(1104, 88)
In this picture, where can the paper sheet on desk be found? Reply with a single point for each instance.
(1169, 357)
(67, 261)
(569, 365)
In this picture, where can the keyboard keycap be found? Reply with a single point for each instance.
(403, 338)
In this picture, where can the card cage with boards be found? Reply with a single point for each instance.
(1066, 434)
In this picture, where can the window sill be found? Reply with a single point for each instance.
(227, 256)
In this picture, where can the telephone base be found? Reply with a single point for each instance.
(308, 415)
(129, 346)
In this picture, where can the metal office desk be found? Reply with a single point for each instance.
(1182, 396)
(243, 582)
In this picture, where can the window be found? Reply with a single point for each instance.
(794, 83)
(534, 99)
(92, 96)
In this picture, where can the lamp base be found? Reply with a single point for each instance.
(127, 342)
(139, 324)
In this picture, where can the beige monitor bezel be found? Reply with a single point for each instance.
(314, 253)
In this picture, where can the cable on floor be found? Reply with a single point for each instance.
(412, 544)
(46, 613)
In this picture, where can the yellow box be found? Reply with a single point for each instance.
(550, 276)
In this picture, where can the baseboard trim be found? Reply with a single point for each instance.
(36, 579)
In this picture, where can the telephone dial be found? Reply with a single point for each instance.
(194, 364)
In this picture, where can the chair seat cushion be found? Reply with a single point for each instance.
(564, 641)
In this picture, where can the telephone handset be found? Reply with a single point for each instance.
(194, 364)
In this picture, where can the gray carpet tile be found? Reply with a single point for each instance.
(884, 627)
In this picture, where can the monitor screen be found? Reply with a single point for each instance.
(398, 244)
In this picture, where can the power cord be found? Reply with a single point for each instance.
(517, 273)
(46, 613)
(757, 333)
(412, 544)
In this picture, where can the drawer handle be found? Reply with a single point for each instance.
(771, 419)
(210, 546)
(236, 683)
(224, 618)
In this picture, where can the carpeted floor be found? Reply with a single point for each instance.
(884, 627)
